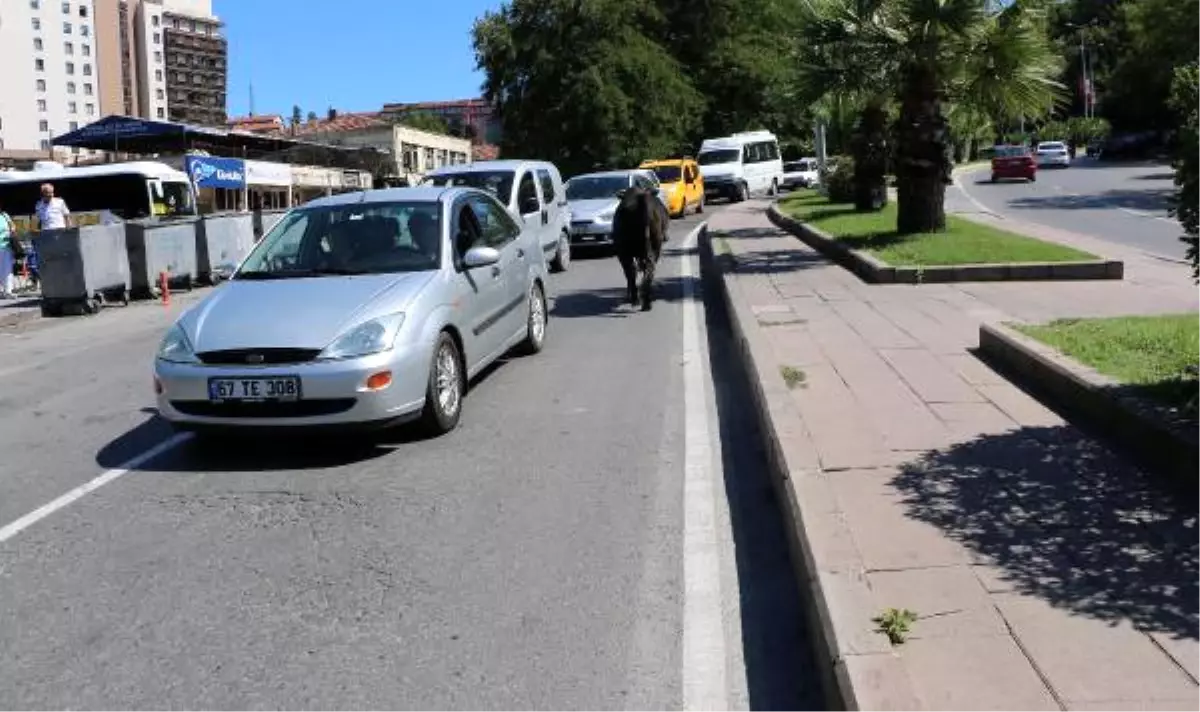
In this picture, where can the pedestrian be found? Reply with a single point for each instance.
(52, 213)
(8, 234)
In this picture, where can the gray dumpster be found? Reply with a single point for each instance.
(81, 268)
(221, 243)
(264, 220)
(157, 246)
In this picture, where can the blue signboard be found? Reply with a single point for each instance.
(210, 172)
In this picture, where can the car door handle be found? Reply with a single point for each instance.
(545, 217)
(495, 270)
(520, 252)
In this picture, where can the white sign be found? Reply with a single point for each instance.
(264, 173)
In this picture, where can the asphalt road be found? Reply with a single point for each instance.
(1124, 203)
(550, 553)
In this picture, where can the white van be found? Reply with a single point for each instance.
(533, 192)
(741, 165)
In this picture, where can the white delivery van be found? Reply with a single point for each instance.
(532, 190)
(741, 165)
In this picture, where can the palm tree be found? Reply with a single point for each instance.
(985, 62)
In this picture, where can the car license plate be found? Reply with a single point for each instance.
(271, 388)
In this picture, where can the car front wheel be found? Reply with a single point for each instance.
(562, 256)
(444, 392)
(535, 322)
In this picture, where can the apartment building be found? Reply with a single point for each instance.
(413, 153)
(48, 54)
(196, 62)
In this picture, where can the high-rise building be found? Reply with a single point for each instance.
(48, 53)
(196, 54)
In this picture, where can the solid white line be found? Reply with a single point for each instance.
(1144, 214)
(982, 208)
(704, 656)
(16, 527)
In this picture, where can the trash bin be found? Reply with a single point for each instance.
(158, 246)
(264, 220)
(81, 268)
(222, 241)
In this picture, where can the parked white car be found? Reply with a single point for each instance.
(800, 174)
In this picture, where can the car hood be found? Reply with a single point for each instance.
(589, 209)
(306, 313)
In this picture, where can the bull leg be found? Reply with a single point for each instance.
(627, 266)
(648, 269)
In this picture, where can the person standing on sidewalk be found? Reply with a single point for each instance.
(8, 234)
(52, 212)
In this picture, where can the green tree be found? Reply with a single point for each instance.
(1185, 96)
(580, 82)
(297, 115)
(425, 121)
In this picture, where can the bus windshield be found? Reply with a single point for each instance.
(128, 196)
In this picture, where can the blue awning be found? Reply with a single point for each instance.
(111, 130)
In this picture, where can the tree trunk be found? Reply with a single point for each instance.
(869, 147)
(922, 153)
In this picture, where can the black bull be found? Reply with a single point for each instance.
(639, 227)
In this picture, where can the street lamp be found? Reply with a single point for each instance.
(1089, 109)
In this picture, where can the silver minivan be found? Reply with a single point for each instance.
(532, 190)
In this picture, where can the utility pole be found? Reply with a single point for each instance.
(252, 98)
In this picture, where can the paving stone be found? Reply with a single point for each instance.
(968, 421)
(923, 328)
(872, 326)
(794, 345)
(1187, 703)
(972, 370)
(1088, 660)
(974, 673)
(840, 430)
(886, 537)
(880, 682)
(1021, 407)
(949, 601)
(1184, 650)
(929, 377)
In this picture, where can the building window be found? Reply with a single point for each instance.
(87, 89)
(158, 56)
(35, 4)
(37, 44)
(37, 24)
(41, 104)
(41, 85)
(83, 10)
(157, 38)
(87, 70)
(70, 67)
(68, 48)
(191, 25)
(90, 109)
(66, 6)
(154, 20)
(43, 125)
(1, 144)
(74, 125)
(39, 64)
(45, 144)
(72, 107)
(66, 28)
(158, 94)
(70, 87)
(84, 30)
(158, 75)
(87, 49)
(159, 112)
(174, 23)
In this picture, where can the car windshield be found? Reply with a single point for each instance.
(595, 187)
(359, 238)
(727, 155)
(796, 166)
(498, 183)
(668, 174)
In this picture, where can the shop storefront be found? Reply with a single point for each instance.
(269, 185)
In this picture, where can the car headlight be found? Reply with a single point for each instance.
(369, 337)
(175, 347)
(607, 215)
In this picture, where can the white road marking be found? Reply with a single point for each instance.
(704, 655)
(16, 527)
(1144, 214)
(982, 208)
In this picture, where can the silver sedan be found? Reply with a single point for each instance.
(364, 309)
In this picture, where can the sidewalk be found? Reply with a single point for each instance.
(1046, 573)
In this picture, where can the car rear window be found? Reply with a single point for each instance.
(1011, 151)
(1052, 146)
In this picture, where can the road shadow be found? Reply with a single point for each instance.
(611, 302)
(1149, 199)
(1155, 176)
(1064, 519)
(781, 672)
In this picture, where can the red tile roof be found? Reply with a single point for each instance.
(268, 122)
(485, 152)
(343, 122)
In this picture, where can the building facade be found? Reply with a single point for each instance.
(196, 56)
(413, 153)
(476, 118)
(48, 53)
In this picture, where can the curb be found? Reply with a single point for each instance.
(858, 665)
(18, 315)
(874, 271)
(1072, 387)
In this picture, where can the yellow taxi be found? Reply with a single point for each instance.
(682, 183)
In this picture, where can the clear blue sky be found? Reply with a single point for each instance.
(353, 55)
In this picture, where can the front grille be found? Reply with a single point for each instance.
(293, 409)
(581, 223)
(257, 357)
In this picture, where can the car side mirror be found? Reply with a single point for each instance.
(481, 257)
